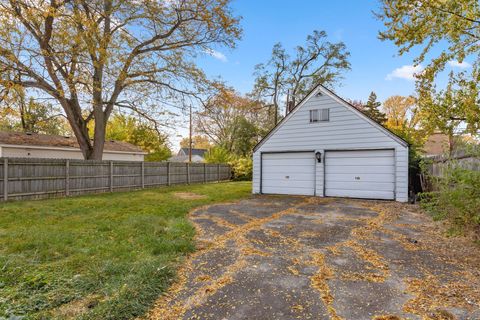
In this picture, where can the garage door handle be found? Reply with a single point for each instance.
(357, 178)
(287, 177)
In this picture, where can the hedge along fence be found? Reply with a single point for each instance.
(436, 168)
(439, 163)
(46, 178)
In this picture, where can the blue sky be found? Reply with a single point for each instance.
(375, 65)
(266, 22)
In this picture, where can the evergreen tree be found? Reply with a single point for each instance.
(372, 109)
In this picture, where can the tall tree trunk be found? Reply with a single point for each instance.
(99, 134)
(79, 126)
(451, 144)
(275, 115)
(98, 114)
(275, 107)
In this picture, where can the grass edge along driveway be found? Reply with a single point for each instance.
(103, 256)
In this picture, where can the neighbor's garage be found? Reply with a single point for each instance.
(366, 174)
(288, 173)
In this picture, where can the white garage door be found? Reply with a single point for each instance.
(360, 174)
(288, 173)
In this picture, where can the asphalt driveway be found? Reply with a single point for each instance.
(274, 257)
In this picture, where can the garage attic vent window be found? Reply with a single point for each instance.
(319, 115)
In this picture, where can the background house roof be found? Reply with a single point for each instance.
(44, 140)
(195, 152)
(195, 158)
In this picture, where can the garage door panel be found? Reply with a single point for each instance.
(358, 153)
(360, 174)
(288, 167)
(364, 194)
(295, 184)
(291, 172)
(273, 176)
(361, 169)
(370, 177)
(288, 173)
(285, 190)
(285, 162)
(374, 186)
(357, 161)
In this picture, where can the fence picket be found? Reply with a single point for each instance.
(5, 179)
(67, 178)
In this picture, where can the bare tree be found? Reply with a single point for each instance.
(225, 117)
(317, 62)
(271, 78)
(97, 55)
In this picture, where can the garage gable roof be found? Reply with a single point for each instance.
(321, 89)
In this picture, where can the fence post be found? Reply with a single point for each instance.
(5, 179)
(111, 176)
(218, 172)
(188, 173)
(67, 177)
(143, 175)
(204, 172)
(168, 173)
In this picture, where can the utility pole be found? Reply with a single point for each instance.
(190, 137)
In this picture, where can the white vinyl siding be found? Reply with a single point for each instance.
(360, 174)
(345, 130)
(288, 173)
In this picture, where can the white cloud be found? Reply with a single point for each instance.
(216, 54)
(407, 72)
(456, 64)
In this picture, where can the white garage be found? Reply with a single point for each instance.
(325, 147)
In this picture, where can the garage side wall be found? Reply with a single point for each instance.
(345, 130)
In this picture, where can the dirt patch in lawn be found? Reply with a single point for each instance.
(77, 307)
(189, 196)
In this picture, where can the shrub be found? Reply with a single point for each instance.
(457, 198)
(242, 168)
(218, 155)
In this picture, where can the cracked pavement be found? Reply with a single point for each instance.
(285, 257)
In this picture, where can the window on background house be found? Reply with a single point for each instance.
(319, 115)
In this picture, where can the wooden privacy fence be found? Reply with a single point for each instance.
(439, 164)
(43, 178)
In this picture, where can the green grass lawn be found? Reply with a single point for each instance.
(97, 257)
